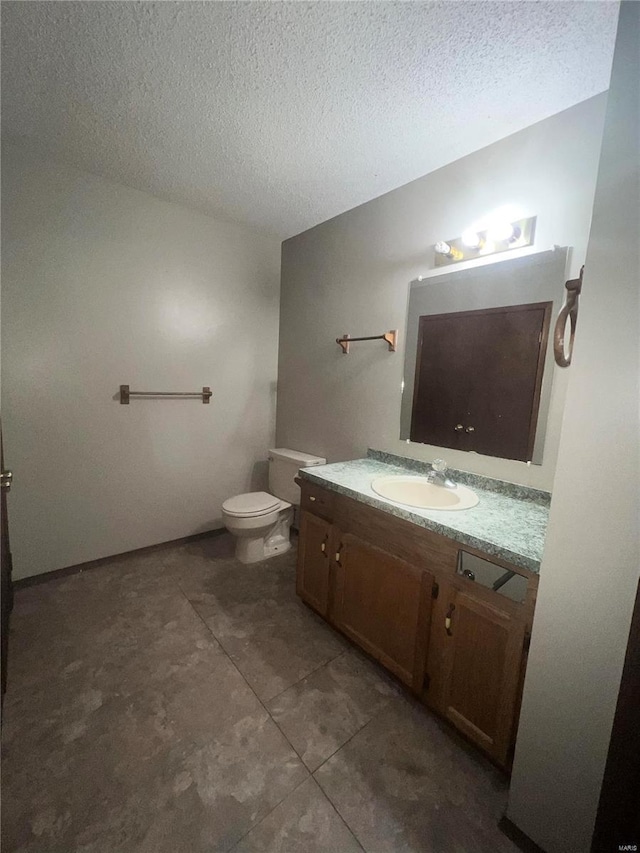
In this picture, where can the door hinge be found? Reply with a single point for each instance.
(527, 641)
(435, 589)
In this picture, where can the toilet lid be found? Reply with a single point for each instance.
(251, 503)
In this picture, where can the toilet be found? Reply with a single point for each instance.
(261, 521)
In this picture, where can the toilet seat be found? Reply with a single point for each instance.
(251, 505)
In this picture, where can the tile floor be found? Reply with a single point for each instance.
(179, 701)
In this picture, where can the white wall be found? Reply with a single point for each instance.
(591, 561)
(104, 285)
(352, 273)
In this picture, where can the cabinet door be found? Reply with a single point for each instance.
(314, 551)
(475, 662)
(384, 605)
(478, 379)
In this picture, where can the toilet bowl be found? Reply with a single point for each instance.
(261, 524)
(260, 521)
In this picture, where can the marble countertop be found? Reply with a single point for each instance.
(511, 526)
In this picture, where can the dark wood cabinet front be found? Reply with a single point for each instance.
(478, 379)
(314, 549)
(474, 665)
(377, 603)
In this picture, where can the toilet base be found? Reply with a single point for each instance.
(273, 541)
(256, 550)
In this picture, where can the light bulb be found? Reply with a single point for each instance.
(472, 239)
(503, 232)
(449, 251)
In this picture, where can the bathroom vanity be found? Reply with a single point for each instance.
(444, 600)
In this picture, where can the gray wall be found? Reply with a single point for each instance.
(104, 285)
(591, 561)
(352, 273)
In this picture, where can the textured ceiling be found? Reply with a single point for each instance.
(281, 115)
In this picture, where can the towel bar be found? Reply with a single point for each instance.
(390, 337)
(126, 394)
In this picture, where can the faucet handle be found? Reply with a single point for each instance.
(439, 465)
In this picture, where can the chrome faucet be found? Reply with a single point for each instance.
(438, 475)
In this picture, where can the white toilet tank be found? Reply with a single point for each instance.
(284, 465)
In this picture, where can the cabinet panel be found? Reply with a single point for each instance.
(478, 379)
(317, 500)
(416, 545)
(475, 664)
(383, 603)
(314, 550)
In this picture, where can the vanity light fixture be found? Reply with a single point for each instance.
(497, 236)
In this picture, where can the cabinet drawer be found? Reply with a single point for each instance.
(317, 500)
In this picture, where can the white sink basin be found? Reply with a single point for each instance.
(419, 492)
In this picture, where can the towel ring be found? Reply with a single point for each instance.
(568, 311)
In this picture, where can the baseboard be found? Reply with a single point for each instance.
(519, 838)
(33, 580)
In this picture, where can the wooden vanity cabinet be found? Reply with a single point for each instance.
(476, 647)
(392, 588)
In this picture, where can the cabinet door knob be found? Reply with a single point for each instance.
(311, 498)
(338, 553)
(447, 619)
(470, 429)
(458, 427)
(323, 547)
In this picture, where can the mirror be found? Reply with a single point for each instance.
(478, 361)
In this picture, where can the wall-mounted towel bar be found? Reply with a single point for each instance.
(126, 394)
(390, 337)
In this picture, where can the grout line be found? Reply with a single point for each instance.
(269, 813)
(319, 784)
(310, 774)
(310, 673)
(342, 745)
(290, 794)
(276, 695)
(304, 766)
(333, 806)
(241, 674)
(284, 691)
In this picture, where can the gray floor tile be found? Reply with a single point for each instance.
(405, 784)
(272, 656)
(305, 821)
(205, 800)
(117, 607)
(253, 611)
(168, 647)
(319, 714)
(65, 770)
